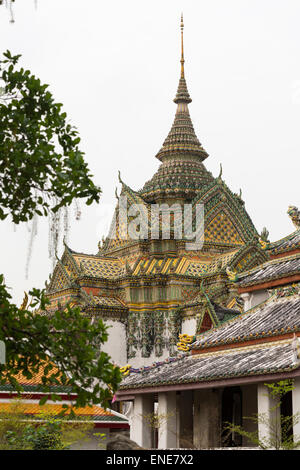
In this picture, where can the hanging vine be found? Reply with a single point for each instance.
(59, 230)
(33, 233)
(9, 6)
(43, 171)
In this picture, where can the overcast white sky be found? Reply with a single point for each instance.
(115, 66)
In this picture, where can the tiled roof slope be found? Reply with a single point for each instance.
(286, 244)
(95, 266)
(224, 313)
(183, 265)
(94, 413)
(253, 360)
(273, 317)
(105, 301)
(34, 383)
(274, 269)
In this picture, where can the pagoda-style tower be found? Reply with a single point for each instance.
(182, 174)
(150, 289)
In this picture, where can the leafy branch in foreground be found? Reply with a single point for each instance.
(43, 170)
(68, 338)
(43, 431)
(41, 166)
(279, 427)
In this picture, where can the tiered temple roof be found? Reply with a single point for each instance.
(286, 244)
(152, 284)
(262, 341)
(94, 414)
(277, 269)
(182, 153)
(272, 318)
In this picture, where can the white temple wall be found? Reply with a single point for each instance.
(251, 299)
(139, 361)
(189, 326)
(116, 345)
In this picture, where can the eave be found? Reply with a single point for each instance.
(130, 393)
(285, 253)
(270, 284)
(250, 341)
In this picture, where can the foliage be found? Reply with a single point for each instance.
(156, 420)
(42, 170)
(279, 427)
(41, 166)
(13, 429)
(46, 432)
(69, 338)
(278, 389)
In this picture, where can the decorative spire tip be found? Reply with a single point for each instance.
(182, 51)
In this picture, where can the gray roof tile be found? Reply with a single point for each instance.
(253, 360)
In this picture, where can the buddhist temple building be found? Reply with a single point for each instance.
(197, 327)
(222, 374)
(151, 287)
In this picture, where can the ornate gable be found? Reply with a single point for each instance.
(222, 230)
(60, 278)
(118, 233)
(225, 217)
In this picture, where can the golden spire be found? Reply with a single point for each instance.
(182, 55)
(182, 95)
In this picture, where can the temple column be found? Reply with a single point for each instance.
(246, 299)
(141, 427)
(207, 419)
(254, 298)
(186, 419)
(269, 426)
(296, 408)
(167, 421)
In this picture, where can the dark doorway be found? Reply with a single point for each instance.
(286, 412)
(231, 414)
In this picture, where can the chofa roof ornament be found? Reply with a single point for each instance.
(294, 215)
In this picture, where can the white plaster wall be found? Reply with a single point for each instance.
(141, 430)
(116, 344)
(251, 299)
(189, 326)
(296, 408)
(139, 361)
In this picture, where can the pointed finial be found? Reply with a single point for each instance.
(221, 171)
(119, 176)
(182, 95)
(182, 52)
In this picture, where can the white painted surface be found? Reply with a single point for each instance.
(268, 417)
(139, 361)
(251, 299)
(189, 326)
(116, 344)
(141, 430)
(296, 408)
(167, 417)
